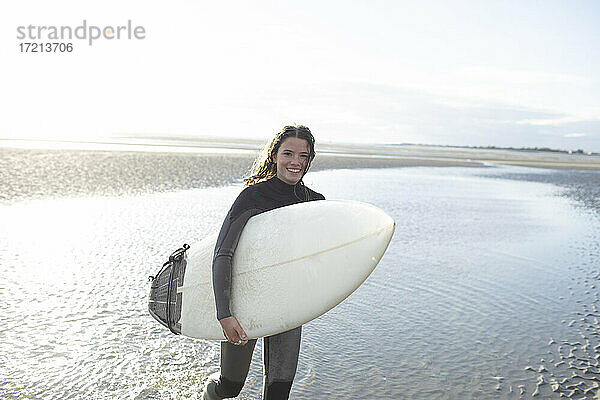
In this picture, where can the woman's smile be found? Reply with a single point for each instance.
(292, 159)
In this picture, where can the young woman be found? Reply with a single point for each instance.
(276, 181)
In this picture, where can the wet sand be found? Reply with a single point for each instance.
(37, 173)
(473, 156)
(570, 368)
(407, 154)
(40, 173)
(462, 327)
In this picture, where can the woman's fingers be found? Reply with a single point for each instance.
(233, 331)
(242, 338)
(227, 326)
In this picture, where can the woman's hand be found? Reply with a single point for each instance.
(233, 331)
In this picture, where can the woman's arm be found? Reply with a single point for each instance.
(221, 271)
(226, 243)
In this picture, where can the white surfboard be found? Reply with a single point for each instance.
(291, 265)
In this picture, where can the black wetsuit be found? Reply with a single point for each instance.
(280, 351)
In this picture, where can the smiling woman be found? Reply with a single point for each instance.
(291, 149)
(291, 160)
(275, 181)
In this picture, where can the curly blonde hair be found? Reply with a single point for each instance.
(264, 168)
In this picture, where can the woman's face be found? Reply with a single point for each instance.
(292, 158)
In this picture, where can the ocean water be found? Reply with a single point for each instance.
(489, 288)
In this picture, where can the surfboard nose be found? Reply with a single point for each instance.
(371, 217)
(373, 221)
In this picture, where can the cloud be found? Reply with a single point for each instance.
(516, 77)
(387, 113)
(556, 121)
(590, 114)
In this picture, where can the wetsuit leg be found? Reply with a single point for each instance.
(235, 363)
(280, 353)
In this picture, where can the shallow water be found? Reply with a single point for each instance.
(487, 282)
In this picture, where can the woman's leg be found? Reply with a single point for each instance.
(235, 362)
(280, 356)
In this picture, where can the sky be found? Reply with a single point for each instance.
(476, 73)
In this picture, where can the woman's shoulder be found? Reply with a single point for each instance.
(252, 191)
(313, 195)
(246, 199)
(258, 189)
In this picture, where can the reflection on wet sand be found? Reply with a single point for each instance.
(488, 290)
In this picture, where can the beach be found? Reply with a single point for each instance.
(488, 289)
(175, 165)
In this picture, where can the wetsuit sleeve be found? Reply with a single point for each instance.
(226, 243)
(316, 196)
